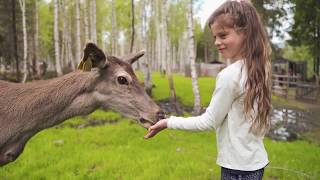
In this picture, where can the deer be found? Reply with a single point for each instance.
(101, 81)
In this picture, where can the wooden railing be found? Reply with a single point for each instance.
(282, 83)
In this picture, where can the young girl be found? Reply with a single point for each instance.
(241, 103)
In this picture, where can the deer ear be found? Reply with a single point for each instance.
(92, 57)
(133, 57)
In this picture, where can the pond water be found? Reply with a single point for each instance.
(289, 124)
(286, 123)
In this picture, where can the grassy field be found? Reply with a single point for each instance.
(105, 145)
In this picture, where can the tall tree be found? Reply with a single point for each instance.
(306, 29)
(132, 26)
(195, 87)
(273, 14)
(69, 53)
(64, 34)
(114, 32)
(15, 41)
(36, 38)
(93, 21)
(86, 21)
(146, 59)
(25, 44)
(56, 37)
(78, 33)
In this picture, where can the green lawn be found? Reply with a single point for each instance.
(117, 150)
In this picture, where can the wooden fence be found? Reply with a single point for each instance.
(281, 85)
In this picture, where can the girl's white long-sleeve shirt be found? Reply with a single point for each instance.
(238, 148)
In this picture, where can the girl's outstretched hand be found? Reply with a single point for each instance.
(159, 126)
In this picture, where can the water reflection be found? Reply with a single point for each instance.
(288, 123)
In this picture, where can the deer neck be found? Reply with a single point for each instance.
(42, 104)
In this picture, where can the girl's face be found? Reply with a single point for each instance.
(228, 41)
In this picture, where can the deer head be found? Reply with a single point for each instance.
(117, 86)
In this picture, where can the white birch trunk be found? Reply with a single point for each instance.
(163, 29)
(78, 33)
(195, 88)
(86, 21)
(94, 24)
(114, 34)
(158, 38)
(145, 60)
(25, 45)
(64, 35)
(56, 38)
(69, 53)
(36, 38)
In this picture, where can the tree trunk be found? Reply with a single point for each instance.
(146, 65)
(195, 88)
(163, 36)
(167, 55)
(56, 38)
(64, 35)
(114, 32)
(69, 53)
(94, 24)
(15, 44)
(36, 39)
(132, 26)
(86, 21)
(25, 45)
(158, 38)
(78, 34)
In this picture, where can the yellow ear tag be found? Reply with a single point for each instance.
(85, 65)
(80, 66)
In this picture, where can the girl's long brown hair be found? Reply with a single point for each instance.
(243, 17)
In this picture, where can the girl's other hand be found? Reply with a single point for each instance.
(159, 126)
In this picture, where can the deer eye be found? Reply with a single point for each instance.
(122, 80)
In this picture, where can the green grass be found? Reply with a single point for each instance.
(118, 150)
(183, 88)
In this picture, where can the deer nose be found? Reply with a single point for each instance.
(160, 115)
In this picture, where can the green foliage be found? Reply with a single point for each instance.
(46, 29)
(177, 22)
(273, 13)
(306, 25)
(299, 53)
(206, 41)
(118, 150)
(306, 28)
(183, 87)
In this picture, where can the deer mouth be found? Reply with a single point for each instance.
(145, 122)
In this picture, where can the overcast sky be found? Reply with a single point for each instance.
(206, 9)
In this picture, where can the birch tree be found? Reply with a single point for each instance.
(132, 26)
(146, 65)
(167, 54)
(158, 37)
(195, 87)
(93, 21)
(86, 21)
(36, 38)
(56, 37)
(15, 46)
(25, 45)
(69, 52)
(78, 33)
(64, 35)
(114, 33)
